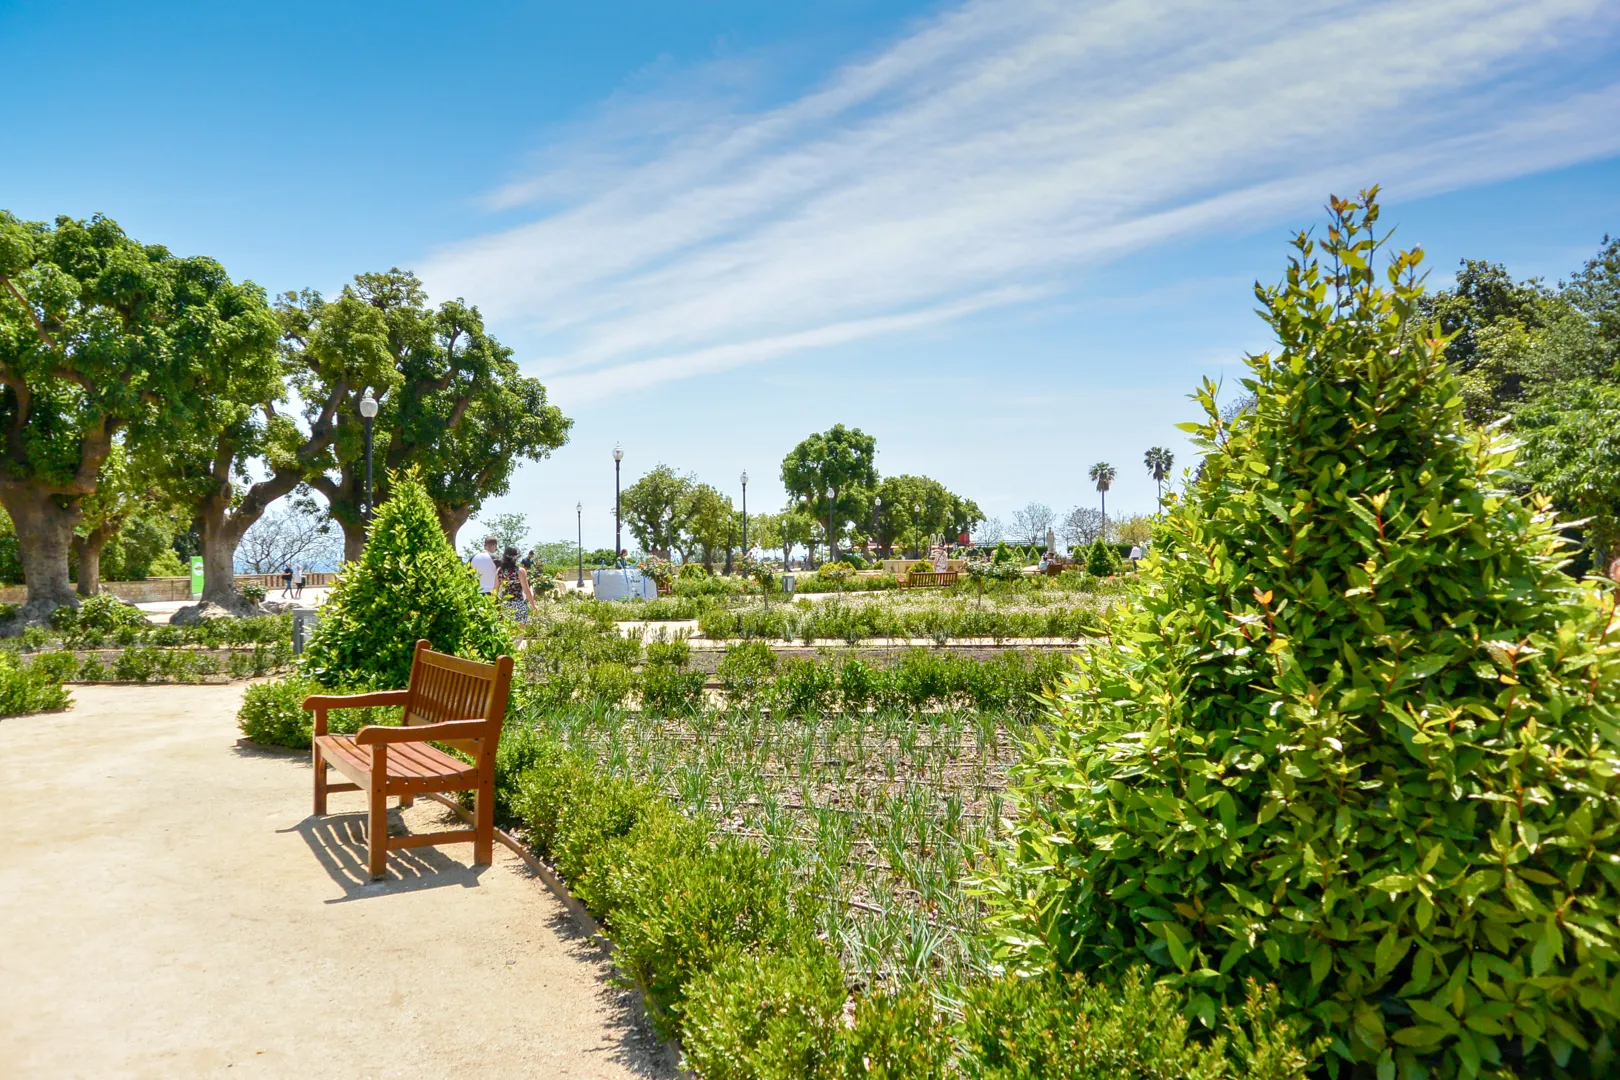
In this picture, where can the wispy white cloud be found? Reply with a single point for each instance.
(991, 152)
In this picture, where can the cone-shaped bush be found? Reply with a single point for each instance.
(408, 584)
(1357, 736)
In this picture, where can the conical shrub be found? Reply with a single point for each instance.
(1357, 735)
(408, 584)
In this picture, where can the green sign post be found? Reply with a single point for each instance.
(196, 576)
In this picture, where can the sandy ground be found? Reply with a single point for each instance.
(169, 908)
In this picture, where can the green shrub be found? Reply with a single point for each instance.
(675, 653)
(1052, 1028)
(692, 572)
(253, 592)
(805, 687)
(896, 1037)
(272, 713)
(408, 584)
(1357, 735)
(135, 665)
(29, 689)
(690, 913)
(669, 691)
(521, 750)
(60, 666)
(744, 671)
(835, 572)
(1102, 560)
(92, 670)
(105, 612)
(774, 1016)
(609, 683)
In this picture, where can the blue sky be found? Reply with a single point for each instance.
(1005, 238)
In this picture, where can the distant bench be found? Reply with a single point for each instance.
(931, 580)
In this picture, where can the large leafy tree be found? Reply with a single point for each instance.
(454, 407)
(1356, 736)
(832, 470)
(915, 506)
(99, 335)
(655, 509)
(709, 525)
(1545, 360)
(245, 449)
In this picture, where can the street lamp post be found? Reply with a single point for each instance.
(368, 413)
(618, 542)
(916, 531)
(745, 511)
(877, 522)
(579, 527)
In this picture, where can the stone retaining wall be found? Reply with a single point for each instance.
(153, 590)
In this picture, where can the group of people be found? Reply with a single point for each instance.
(292, 581)
(502, 574)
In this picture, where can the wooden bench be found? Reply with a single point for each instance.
(931, 580)
(460, 703)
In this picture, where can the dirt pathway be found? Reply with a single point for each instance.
(169, 908)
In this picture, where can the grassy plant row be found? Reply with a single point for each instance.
(835, 620)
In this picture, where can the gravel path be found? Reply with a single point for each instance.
(169, 908)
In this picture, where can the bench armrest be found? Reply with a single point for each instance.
(356, 701)
(451, 729)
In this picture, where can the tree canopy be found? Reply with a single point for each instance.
(452, 402)
(100, 335)
(832, 471)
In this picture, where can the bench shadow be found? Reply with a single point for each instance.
(338, 842)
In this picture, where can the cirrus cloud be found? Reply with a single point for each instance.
(991, 153)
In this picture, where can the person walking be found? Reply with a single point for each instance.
(485, 563)
(512, 586)
(286, 581)
(298, 581)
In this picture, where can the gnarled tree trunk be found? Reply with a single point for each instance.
(451, 519)
(87, 549)
(44, 522)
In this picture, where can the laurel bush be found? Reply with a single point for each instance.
(1358, 735)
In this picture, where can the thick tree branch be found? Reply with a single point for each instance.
(39, 327)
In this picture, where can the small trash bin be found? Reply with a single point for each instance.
(787, 584)
(304, 619)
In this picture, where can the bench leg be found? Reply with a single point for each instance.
(406, 801)
(377, 820)
(484, 823)
(320, 778)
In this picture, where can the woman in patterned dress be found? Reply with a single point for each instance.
(512, 586)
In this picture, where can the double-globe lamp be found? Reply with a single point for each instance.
(368, 413)
(745, 512)
(618, 541)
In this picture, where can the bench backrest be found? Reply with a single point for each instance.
(445, 688)
(939, 577)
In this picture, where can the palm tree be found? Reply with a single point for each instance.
(1158, 461)
(1103, 473)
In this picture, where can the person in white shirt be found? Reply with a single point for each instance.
(484, 563)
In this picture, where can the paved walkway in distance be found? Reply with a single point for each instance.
(170, 909)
